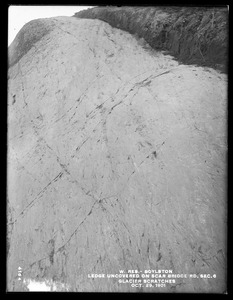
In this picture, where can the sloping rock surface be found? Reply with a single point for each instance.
(116, 161)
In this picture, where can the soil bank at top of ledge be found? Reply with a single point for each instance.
(193, 35)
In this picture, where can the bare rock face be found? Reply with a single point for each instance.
(116, 161)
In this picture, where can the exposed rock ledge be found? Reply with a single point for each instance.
(116, 161)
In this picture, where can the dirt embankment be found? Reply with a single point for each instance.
(194, 35)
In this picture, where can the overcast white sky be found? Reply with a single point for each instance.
(20, 15)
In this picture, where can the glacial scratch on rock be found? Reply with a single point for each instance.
(116, 161)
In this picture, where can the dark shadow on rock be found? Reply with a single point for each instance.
(30, 34)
